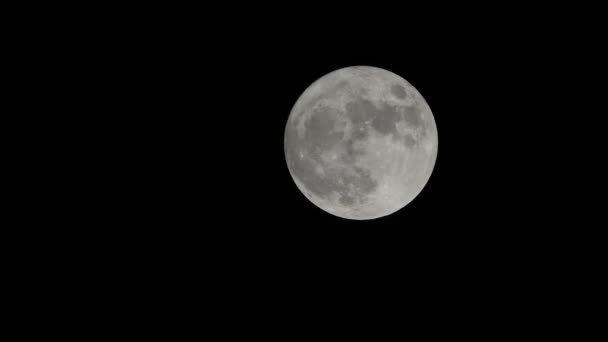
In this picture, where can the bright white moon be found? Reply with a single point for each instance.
(361, 143)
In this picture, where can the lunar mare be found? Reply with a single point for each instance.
(361, 143)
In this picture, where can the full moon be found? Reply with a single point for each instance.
(361, 143)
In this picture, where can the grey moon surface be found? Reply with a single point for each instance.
(361, 143)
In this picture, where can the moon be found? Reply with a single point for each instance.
(361, 143)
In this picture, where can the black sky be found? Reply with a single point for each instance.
(206, 104)
(171, 136)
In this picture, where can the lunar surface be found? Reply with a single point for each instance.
(361, 143)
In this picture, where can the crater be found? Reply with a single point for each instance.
(291, 144)
(412, 116)
(321, 134)
(352, 184)
(346, 200)
(359, 133)
(297, 117)
(409, 141)
(356, 184)
(385, 120)
(360, 111)
(363, 181)
(399, 91)
(342, 84)
(306, 171)
(350, 154)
